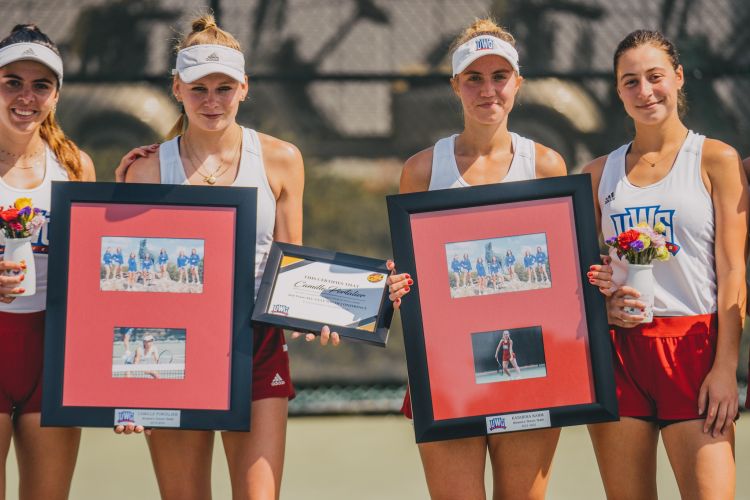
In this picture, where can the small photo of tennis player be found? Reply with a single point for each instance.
(150, 353)
(505, 355)
(172, 265)
(498, 265)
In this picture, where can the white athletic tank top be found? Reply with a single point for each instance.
(445, 172)
(251, 173)
(41, 199)
(685, 285)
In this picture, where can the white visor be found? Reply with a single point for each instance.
(29, 51)
(481, 46)
(198, 61)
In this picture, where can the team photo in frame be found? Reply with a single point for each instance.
(177, 359)
(454, 344)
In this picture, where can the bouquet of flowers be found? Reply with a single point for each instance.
(20, 220)
(642, 244)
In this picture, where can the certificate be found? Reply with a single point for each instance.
(304, 289)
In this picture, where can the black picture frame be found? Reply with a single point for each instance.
(239, 203)
(378, 335)
(404, 209)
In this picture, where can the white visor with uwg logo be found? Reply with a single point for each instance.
(481, 46)
(30, 51)
(197, 61)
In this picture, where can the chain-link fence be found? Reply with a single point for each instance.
(359, 85)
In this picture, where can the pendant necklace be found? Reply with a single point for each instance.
(212, 177)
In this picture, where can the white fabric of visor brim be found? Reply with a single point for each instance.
(464, 56)
(29, 51)
(189, 75)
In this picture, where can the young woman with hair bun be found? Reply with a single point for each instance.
(675, 376)
(34, 151)
(486, 79)
(208, 147)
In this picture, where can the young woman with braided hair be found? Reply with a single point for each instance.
(33, 152)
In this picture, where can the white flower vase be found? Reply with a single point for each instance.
(641, 277)
(19, 250)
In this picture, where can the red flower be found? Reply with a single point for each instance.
(627, 237)
(9, 215)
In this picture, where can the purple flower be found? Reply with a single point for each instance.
(636, 245)
(25, 211)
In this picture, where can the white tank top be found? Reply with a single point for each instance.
(445, 172)
(685, 285)
(41, 199)
(251, 173)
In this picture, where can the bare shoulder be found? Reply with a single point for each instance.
(279, 154)
(417, 172)
(145, 170)
(718, 155)
(595, 167)
(746, 166)
(88, 173)
(549, 163)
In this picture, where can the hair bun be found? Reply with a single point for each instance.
(203, 23)
(25, 27)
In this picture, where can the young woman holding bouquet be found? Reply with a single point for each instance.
(209, 148)
(675, 376)
(33, 152)
(486, 79)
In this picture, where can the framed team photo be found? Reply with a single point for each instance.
(502, 330)
(148, 307)
(306, 288)
(172, 265)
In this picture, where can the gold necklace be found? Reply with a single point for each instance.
(212, 177)
(652, 164)
(8, 158)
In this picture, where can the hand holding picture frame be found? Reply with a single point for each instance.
(149, 304)
(306, 288)
(501, 331)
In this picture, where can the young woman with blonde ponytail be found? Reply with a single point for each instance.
(33, 152)
(486, 79)
(208, 147)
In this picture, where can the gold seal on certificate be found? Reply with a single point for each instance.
(305, 288)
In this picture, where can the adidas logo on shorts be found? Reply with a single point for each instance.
(29, 52)
(213, 57)
(277, 380)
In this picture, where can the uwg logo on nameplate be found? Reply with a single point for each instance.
(148, 418)
(280, 309)
(510, 422)
(124, 417)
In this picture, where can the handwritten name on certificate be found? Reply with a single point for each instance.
(331, 294)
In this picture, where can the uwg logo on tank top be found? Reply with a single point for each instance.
(40, 242)
(649, 214)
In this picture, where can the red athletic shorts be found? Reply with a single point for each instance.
(21, 355)
(271, 377)
(406, 406)
(660, 366)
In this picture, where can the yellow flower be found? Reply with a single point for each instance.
(662, 253)
(659, 228)
(645, 240)
(22, 202)
(643, 224)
